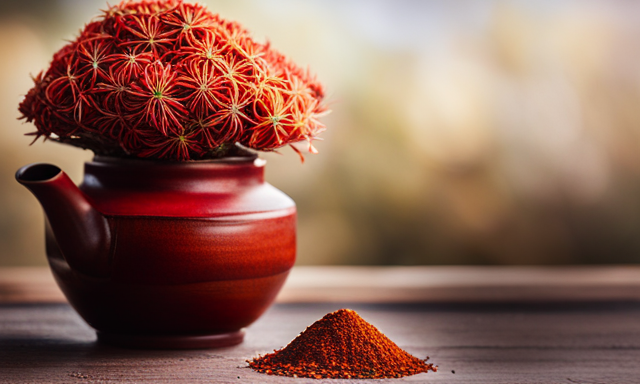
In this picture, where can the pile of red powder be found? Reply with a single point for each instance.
(341, 345)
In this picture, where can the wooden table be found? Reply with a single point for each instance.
(478, 324)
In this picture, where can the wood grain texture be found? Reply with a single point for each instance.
(483, 343)
(446, 284)
(488, 324)
(400, 284)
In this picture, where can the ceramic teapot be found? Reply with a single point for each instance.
(166, 255)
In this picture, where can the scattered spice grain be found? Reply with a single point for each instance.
(341, 345)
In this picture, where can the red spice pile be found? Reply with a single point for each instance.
(171, 80)
(341, 345)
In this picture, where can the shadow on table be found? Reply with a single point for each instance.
(53, 335)
(38, 352)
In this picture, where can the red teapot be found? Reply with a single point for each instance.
(166, 255)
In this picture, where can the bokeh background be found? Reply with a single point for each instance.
(462, 132)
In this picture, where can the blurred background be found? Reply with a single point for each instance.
(465, 132)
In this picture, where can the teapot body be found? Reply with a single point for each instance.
(198, 251)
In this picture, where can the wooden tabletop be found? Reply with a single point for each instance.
(478, 324)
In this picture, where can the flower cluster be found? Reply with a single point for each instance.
(170, 80)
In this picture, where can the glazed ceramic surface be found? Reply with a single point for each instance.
(177, 255)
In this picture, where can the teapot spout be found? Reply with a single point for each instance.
(82, 233)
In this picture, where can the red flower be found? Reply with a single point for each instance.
(178, 146)
(275, 119)
(130, 63)
(157, 103)
(145, 32)
(170, 80)
(203, 49)
(93, 59)
(205, 89)
(234, 115)
(193, 21)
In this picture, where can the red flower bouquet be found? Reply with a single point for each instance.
(169, 80)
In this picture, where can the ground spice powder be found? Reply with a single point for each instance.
(341, 345)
